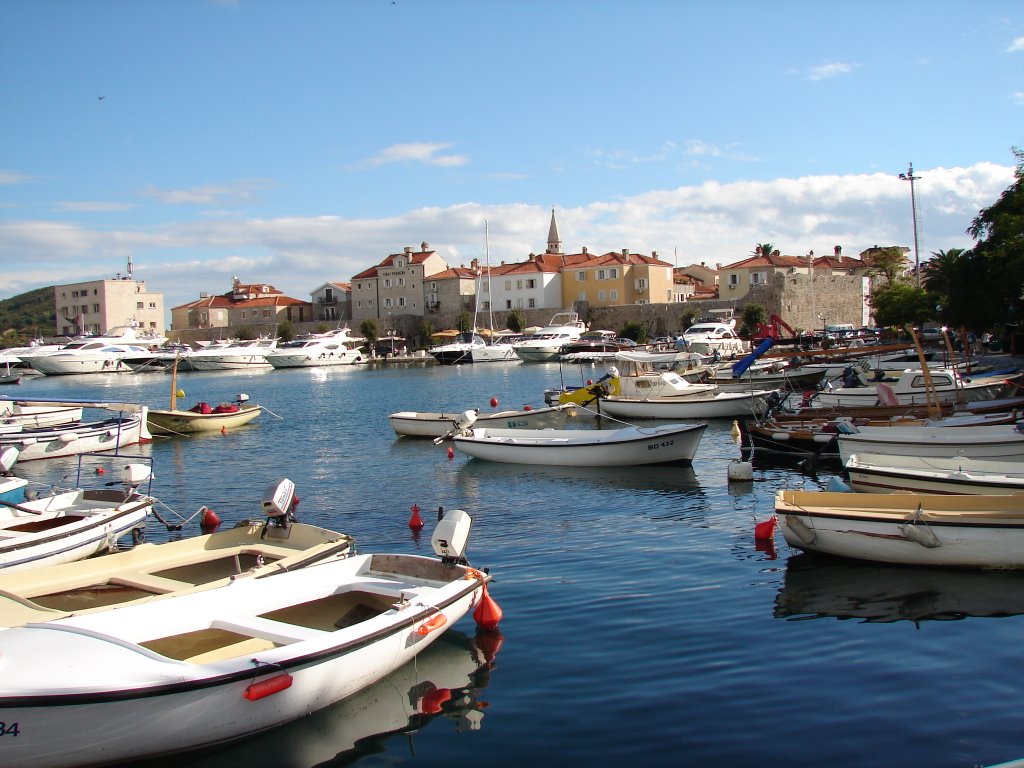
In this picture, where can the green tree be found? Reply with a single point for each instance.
(688, 317)
(900, 303)
(634, 330)
(939, 273)
(322, 327)
(516, 320)
(424, 331)
(285, 330)
(764, 249)
(752, 315)
(370, 330)
(465, 322)
(888, 261)
(999, 234)
(245, 332)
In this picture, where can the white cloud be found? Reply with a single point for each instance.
(829, 71)
(428, 154)
(86, 206)
(210, 194)
(13, 177)
(711, 222)
(1016, 45)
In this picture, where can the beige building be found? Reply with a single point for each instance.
(97, 306)
(396, 285)
(246, 304)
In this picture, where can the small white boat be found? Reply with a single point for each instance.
(712, 405)
(117, 431)
(1005, 442)
(427, 424)
(910, 387)
(230, 661)
(885, 473)
(629, 446)
(72, 525)
(969, 531)
(337, 347)
(29, 416)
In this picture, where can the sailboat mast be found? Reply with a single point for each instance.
(487, 261)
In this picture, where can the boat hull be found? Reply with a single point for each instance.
(631, 446)
(880, 473)
(912, 529)
(993, 442)
(84, 437)
(188, 422)
(433, 425)
(722, 405)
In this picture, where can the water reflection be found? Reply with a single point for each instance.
(443, 682)
(817, 587)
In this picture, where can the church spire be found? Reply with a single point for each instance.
(554, 243)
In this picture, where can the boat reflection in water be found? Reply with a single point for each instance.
(444, 680)
(818, 587)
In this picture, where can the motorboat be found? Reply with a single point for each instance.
(202, 417)
(123, 348)
(1005, 441)
(251, 549)
(337, 347)
(594, 346)
(70, 525)
(431, 424)
(230, 661)
(125, 426)
(12, 489)
(546, 343)
(459, 350)
(710, 338)
(909, 387)
(628, 446)
(969, 531)
(241, 355)
(715, 405)
(886, 473)
(42, 414)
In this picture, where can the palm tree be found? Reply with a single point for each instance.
(764, 249)
(939, 273)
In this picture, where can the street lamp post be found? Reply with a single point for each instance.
(909, 176)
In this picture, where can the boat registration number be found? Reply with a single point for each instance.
(662, 444)
(516, 424)
(8, 729)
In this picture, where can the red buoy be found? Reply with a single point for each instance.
(209, 521)
(223, 430)
(268, 687)
(488, 613)
(415, 522)
(100, 471)
(494, 402)
(590, 382)
(527, 407)
(432, 700)
(766, 530)
(451, 452)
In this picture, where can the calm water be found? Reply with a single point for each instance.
(642, 623)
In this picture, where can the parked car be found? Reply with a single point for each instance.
(929, 334)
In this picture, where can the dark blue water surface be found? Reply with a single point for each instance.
(642, 623)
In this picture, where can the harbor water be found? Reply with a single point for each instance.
(643, 624)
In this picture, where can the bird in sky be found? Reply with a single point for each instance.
(101, 98)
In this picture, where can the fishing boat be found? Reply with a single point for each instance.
(202, 417)
(885, 473)
(229, 661)
(629, 446)
(428, 424)
(1005, 442)
(969, 531)
(70, 525)
(910, 387)
(711, 405)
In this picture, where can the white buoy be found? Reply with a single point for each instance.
(741, 470)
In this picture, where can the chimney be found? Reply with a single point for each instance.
(839, 251)
(424, 247)
(625, 251)
(474, 264)
(702, 263)
(654, 254)
(408, 250)
(584, 250)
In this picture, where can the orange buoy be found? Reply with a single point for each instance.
(435, 622)
(223, 430)
(451, 452)
(415, 522)
(590, 382)
(268, 687)
(209, 521)
(488, 613)
(100, 471)
(766, 530)
(433, 699)
(494, 402)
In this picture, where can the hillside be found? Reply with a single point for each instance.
(27, 316)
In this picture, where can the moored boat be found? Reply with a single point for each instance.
(885, 473)
(430, 424)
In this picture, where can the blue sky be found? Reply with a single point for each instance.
(297, 141)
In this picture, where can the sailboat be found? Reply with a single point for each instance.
(470, 346)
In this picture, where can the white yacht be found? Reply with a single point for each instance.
(338, 347)
(242, 355)
(547, 342)
(122, 348)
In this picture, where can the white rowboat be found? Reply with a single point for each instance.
(883, 473)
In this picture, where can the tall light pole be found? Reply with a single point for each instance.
(909, 176)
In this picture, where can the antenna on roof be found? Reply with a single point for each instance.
(129, 266)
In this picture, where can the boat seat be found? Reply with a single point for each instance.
(150, 583)
(277, 632)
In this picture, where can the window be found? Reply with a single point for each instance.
(96, 308)
(243, 314)
(152, 305)
(734, 280)
(613, 295)
(399, 263)
(85, 309)
(401, 282)
(74, 294)
(601, 296)
(531, 283)
(140, 304)
(387, 303)
(369, 302)
(266, 313)
(508, 303)
(387, 282)
(613, 274)
(359, 304)
(582, 296)
(359, 286)
(519, 285)
(533, 303)
(602, 274)
(641, 283)
(757, 278)
(401, 301)
(519, 303)
(433, 286)
(508, 285)
(581, 276)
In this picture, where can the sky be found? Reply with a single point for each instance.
(297, 142)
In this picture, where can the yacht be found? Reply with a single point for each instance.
(122, 348)
(336, 347)
(547, 342)
(241, 355)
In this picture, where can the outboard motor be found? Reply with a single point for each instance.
(278, 505)
(451, 537)
(8, 458)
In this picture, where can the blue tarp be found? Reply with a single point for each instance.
(741, 365)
